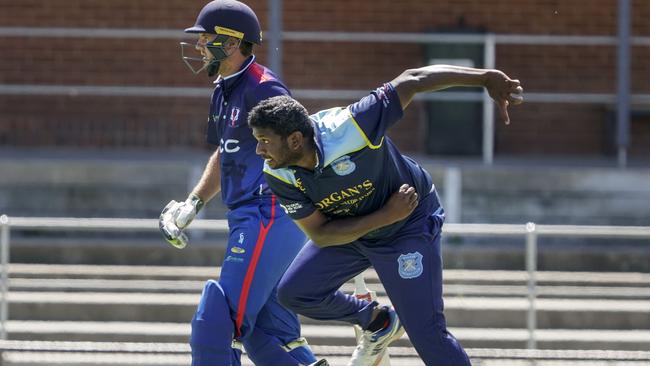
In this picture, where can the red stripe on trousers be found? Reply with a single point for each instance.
(250, 273)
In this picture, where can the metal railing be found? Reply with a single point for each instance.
(530, 231)
(276, 36)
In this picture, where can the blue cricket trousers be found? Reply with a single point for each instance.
(262, 242)
(409, 265)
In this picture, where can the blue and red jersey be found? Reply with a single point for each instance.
(242, 180)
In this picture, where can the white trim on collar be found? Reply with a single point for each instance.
(237, 73)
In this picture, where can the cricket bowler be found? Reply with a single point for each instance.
(362, 203)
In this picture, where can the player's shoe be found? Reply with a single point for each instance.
(322, 362)
(372, 346)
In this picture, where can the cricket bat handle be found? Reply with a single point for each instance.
(361, 290)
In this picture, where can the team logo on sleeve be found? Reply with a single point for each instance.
(343, 165)
(410, 265)
(234, 116)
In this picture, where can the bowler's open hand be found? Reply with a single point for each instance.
(504, 91)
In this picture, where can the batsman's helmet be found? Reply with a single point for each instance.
(230, 18)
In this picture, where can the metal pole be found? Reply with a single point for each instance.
(453, 192)
(488, 105)
(623, 76)
(4, 274)
(275, 36)
(531, 268)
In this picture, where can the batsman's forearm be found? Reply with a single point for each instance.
(210, 183)
(346, 230)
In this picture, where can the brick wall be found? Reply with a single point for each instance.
(153, 122)
(102, 122)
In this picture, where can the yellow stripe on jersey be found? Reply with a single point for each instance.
(370, 145)
(283, 174)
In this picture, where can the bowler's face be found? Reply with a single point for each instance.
(273, 148)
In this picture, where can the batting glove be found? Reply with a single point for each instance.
(175, 217)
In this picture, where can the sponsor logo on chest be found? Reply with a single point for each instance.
(351, 195)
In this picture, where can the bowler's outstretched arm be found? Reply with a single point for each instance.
(502, 89)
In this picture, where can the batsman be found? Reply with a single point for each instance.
(242, 306)
(365, 204)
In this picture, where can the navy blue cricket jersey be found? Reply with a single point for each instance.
(358, 169)
(242, 179)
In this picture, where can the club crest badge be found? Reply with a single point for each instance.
(410, 265)
(343, 165)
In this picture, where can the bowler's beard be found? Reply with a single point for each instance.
(287, 157)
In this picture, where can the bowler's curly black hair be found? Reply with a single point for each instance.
(283, 115)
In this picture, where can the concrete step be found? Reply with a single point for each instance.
(178, 354)
(25, 270)
(116, 359)
(490, 253)
(141, 354)
(193, 286)
(465, 311)
(554, 278)
(105, 285)
(451, 276)
(331, 335)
